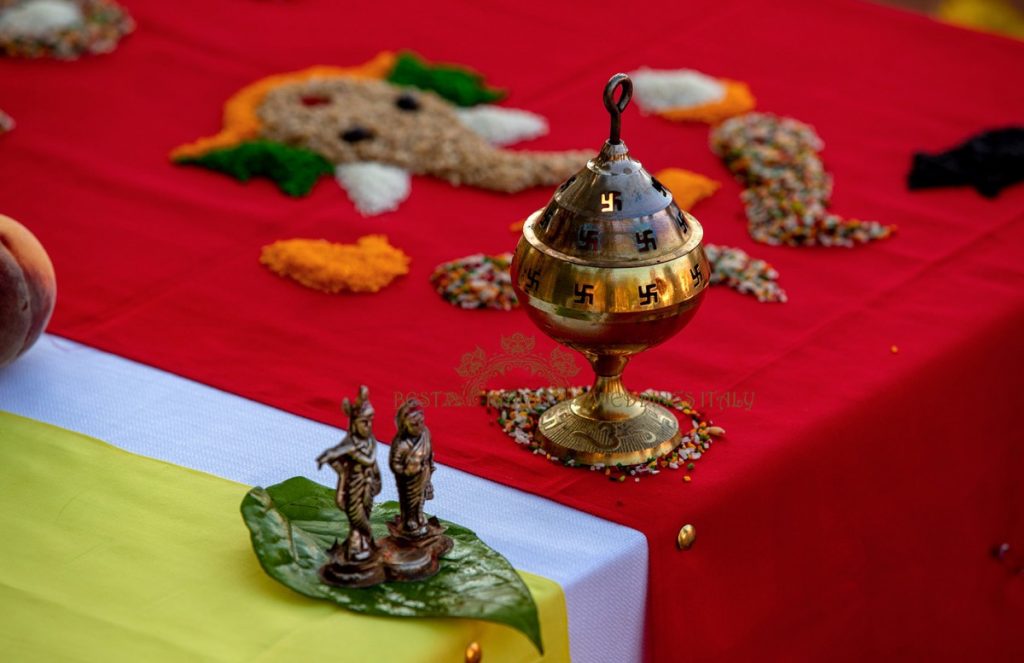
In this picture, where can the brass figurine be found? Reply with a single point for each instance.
(416, 543)
(355, 562)
(412, 461)
(610, 267)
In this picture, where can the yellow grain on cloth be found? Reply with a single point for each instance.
(109, 556)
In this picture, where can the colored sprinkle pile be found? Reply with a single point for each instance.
(519, 411)
(787, 189)
(751, 276)
(366, 266)
(62, 29)
(476, 281)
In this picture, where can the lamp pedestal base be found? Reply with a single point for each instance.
(567, 432)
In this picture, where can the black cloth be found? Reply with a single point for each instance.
(989, 161)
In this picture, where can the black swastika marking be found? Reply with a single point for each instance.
(645, 241)
(681, 221)
(545, 219)
(584, 293)
(588, 237)
(533, 282)
(648, 294)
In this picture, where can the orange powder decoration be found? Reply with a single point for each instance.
(366, 266)
(688, 188)
(738, 100)
(241, 122)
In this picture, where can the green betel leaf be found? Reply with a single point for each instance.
(294, 523)
(459, 85)
(294, 169)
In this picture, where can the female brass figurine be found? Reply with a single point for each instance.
(356, 562)
(412, 461)
(416, 542)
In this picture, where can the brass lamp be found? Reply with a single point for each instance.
(610, 267)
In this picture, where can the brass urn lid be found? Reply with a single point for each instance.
(613, 212)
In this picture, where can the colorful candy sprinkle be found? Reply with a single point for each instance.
(476, 281)
(750, 276)
(787, 189)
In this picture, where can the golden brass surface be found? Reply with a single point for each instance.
(687, 537)
(610, 267)
(474, 653)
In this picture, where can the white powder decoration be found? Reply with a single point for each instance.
(374, 187)
(664, 89)
(38, 18)
(503, 126)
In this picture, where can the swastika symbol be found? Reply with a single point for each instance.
(588, 237)
(611, 201)
(648, 294)
(533, 282)
(681, 220)
(645, 241)
(584, 293)
(696, 275)
(545, 219)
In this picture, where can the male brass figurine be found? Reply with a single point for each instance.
(356, 562)
(416, 543)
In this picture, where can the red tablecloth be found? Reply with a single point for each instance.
(852, 508)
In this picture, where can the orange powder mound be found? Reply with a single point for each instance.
(241, 122)
(366, 266)
(738, 100)
(688, 188)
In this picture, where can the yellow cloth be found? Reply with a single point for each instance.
(999, 16)
(109, 556)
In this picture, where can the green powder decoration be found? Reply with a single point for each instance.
(459, 85)
(294, 169)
